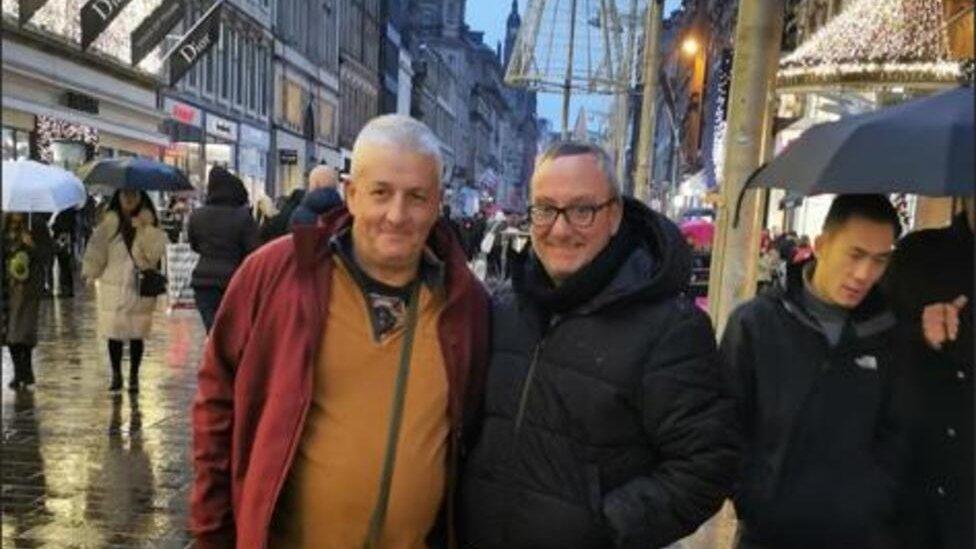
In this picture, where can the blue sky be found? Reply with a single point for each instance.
(490, 15)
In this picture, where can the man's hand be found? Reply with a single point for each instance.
(940, 322)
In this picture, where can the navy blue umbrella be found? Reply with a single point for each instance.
(924, 146)
(135, 174)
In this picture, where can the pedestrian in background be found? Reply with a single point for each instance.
(65, 229)
(23, 282)
(322, 196)
(126, 239)
(820, 394)
(279, 225)
(930, 282)
(223, 232)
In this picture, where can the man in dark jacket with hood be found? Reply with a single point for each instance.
(223, 233)
(930, 282)
(605, 424)
(813, 366)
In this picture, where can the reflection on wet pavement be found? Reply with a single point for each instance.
(83, 468)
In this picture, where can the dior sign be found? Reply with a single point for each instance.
(194, 45)
(96, 16)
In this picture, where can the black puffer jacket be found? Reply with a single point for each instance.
(605, 426)
(222, 232)
(826, 442)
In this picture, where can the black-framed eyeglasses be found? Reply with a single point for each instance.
(578, 215)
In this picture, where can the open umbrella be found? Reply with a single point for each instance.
(924, 146)
(134, 173)
(30, 186)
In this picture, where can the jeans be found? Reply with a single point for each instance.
(208, 301)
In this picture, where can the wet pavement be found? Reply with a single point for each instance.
(83, 468)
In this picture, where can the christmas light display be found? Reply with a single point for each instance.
(52, 129)
(876, 41)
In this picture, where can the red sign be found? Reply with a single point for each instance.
(182, 112)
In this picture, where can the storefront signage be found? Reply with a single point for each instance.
(28, 8)
(221, 127)
(194, 44)
(81, 102)
(154, 28)
(96, 16)
(287, 156)
(181, 112)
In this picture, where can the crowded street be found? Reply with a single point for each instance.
(83, 468)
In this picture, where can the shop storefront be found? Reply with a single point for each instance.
(220, 148)
(184, 126)
(291, 159)
(252, 160)
(55, 106)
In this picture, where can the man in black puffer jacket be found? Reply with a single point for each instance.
(605, 424)
(822, 395)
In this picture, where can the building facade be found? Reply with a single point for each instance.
(306, 79)
(494, 133)
(359, 62)
(218, 113)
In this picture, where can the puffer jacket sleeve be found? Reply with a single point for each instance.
(691, 425)
(96, 253)
(211, 506)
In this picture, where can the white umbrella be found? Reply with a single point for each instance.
(30, 186)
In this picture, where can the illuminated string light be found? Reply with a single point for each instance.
(876, 40)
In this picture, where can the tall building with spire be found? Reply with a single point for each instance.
(512, 26)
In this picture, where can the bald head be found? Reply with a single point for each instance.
(321, 177)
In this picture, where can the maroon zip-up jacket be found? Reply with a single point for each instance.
(255, 383)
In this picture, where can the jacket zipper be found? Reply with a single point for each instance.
(530, 376)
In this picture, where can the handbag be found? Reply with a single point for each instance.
(149, 282)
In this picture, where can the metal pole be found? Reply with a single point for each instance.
(569, 69)
(736, 250)
(645, 140)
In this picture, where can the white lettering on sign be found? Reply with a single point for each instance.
(106, 8)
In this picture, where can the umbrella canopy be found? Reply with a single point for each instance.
(924, 146)
(700, 231)
(135, 174)
(30, 186)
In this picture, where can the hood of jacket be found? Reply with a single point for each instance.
(225, 189)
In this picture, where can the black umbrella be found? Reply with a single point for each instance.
(134, 173)
(924, 146)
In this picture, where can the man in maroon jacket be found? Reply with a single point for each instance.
(362, 329)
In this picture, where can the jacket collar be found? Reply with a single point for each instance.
(312, 247)
(871, 317)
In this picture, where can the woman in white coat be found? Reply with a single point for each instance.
(126, 238)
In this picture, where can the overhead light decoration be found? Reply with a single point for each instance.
(876, 41)
(62, 19)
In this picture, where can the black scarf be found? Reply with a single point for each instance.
(532, 280)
